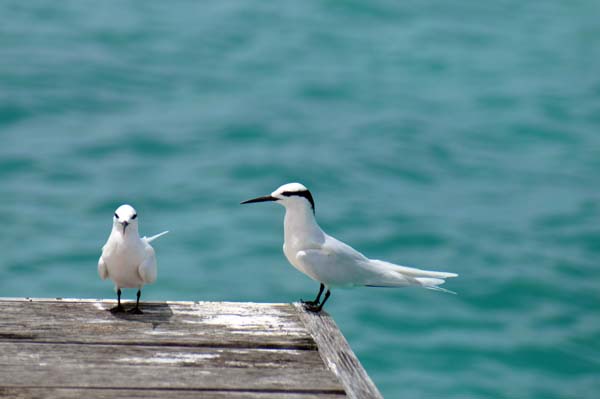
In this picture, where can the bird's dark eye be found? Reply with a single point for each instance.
(134, 216)
(117, 216)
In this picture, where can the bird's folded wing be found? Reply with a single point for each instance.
(348, 268)
(332, 268)
(147, 269)
(411, 271)
(102, 269)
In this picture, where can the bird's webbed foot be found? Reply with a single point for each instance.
(316, 305)
(313, 307)
(135, 310)
(117, 309)
(309, 303)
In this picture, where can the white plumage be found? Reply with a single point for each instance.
(331, 262)
(128, 260)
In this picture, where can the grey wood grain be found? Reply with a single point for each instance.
(183, 324)
(71, 348)
(337, 355)
(114, 356)
(161, 377)
(94, 393)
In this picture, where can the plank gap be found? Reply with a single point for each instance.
(309, 346)
(165, 389)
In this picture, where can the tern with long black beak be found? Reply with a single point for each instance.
(128, 260)
(331, 262)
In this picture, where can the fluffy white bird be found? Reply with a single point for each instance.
(331, 262)
(128, 260)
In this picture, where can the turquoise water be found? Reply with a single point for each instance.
(459, 136)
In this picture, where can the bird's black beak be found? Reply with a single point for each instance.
(260, 199)
(125, 224)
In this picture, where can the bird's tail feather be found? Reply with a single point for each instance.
(413, 272)
(433, 283)
(401, 276)
(154, 237)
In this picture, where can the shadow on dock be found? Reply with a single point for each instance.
(154, 313)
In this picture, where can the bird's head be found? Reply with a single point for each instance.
(291, 195)
(125, 219)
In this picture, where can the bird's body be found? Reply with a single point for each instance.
(331, 262)
(128, 260)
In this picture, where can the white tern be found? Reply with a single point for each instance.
(128, 260)
(331, 262)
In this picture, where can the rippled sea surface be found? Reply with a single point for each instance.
(460, 136)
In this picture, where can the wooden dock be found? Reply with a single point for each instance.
(74, 348)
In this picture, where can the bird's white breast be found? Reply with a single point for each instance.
(301, 232)
(123, 258)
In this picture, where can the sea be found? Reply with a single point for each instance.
(459, 136)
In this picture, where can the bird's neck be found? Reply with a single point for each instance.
(300, 225)
(130, 235)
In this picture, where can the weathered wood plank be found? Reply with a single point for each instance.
(338, 356)
(93, 393)
(74, 348)
(160, 377)
(116, 356)
(182, 324)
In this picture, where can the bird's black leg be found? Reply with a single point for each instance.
(317, 307)
(317, 299)
(137, 309)
(118, 308)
